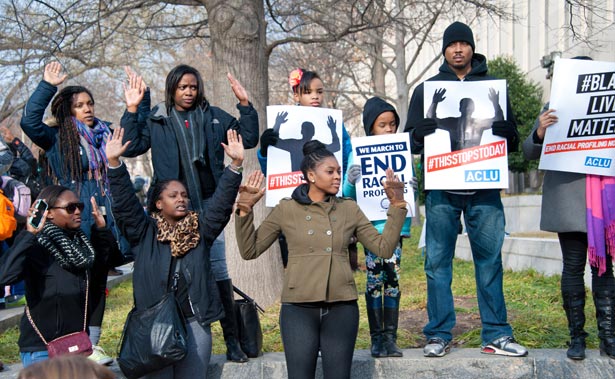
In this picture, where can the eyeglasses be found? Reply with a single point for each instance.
(71, 207)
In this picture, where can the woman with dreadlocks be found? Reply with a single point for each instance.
(74, 145)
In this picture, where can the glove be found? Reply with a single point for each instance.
(354, 173)
(424, 128)
(248, 196)
(269, 137)
(508, 130)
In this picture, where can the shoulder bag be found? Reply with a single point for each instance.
(250, 332)
(153, 338)
(73, 343)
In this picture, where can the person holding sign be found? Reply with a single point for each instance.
(483, 214)
(565, 198)
(382, 288)
(319, 298)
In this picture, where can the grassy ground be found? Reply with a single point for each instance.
(533, 301)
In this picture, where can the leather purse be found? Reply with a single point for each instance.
(249, 325)
(72, 343)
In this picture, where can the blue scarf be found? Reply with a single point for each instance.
(94, 140)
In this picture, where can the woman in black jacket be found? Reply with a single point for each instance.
(58, 263)
(171, 235)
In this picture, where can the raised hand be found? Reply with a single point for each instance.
(134, 90)
(115, 148)
(331, 123)
(99, 220)
(494, 96)
(129, 71)
(53, 74)
(438, 95)
(250, 192)
(394, 189)
(7, 135)
(240, 93)
(354, 173)
(234, 149)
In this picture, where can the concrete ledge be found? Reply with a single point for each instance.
(459, 364)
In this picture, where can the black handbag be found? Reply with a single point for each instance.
(153, 338)
(249, 325)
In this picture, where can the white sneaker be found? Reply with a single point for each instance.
(99, 356)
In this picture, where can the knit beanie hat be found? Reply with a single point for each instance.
(457, 31)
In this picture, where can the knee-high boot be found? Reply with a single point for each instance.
(605, 316)
(229, 323)
(574, 306)
(374, 316)
(391, 318)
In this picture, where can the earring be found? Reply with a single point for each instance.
(313, 181)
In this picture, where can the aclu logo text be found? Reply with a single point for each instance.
(474, 176)
(598, 162)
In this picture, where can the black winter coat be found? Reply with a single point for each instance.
(153, 258)
(56, 297)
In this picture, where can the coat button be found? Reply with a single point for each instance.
(310, 232)
(308, 217)
(328, 249)
(328, 232)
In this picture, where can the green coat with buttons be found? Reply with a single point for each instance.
(318, 235)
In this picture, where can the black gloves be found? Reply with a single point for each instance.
(508, 130)
(424, 128)
(269, 137)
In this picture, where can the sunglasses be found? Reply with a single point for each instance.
(71, 207)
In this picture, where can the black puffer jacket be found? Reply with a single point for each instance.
(153, 258)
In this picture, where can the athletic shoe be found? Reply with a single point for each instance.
(504, 346)
(436, 347)
(14, 301)
(99, 356)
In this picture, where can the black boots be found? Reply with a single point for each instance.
(605, 316)
(574, 306)
(229, 323)
(391, 317)
(374, 316)
(383, 325)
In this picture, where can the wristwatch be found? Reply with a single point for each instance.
(236, 169)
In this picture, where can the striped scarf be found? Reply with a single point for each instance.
(94, 140)
(74, 254)
(600, 201)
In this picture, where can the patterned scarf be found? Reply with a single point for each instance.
(94, 140)
(184, 235)
(74, 254)
(600, 201)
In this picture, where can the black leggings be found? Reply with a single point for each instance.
(574, 254)
(333, 328)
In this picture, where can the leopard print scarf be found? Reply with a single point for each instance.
(183, 236)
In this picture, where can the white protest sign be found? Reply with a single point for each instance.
(297, 125)
(583, 139)
(375, 154)
(464, 112)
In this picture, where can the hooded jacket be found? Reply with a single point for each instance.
(373, 108)
(416, 110)
(318, 234)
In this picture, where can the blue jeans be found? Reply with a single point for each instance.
(217, 254)
(28, 358)
(484, 219)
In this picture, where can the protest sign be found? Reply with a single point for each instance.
(583, 139)
(375, 154)
(463, 153)
(297, 125)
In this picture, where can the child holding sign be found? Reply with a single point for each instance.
(380, 117)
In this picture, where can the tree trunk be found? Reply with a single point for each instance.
(238, 46)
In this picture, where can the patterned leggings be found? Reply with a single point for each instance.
(383, 273)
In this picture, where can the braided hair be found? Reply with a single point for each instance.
(68, 134)
(314, 152)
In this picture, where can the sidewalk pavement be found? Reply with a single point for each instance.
(459, 364)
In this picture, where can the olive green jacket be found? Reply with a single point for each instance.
(318, 235)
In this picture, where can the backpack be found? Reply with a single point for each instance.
(18, 193)
(8, 223)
